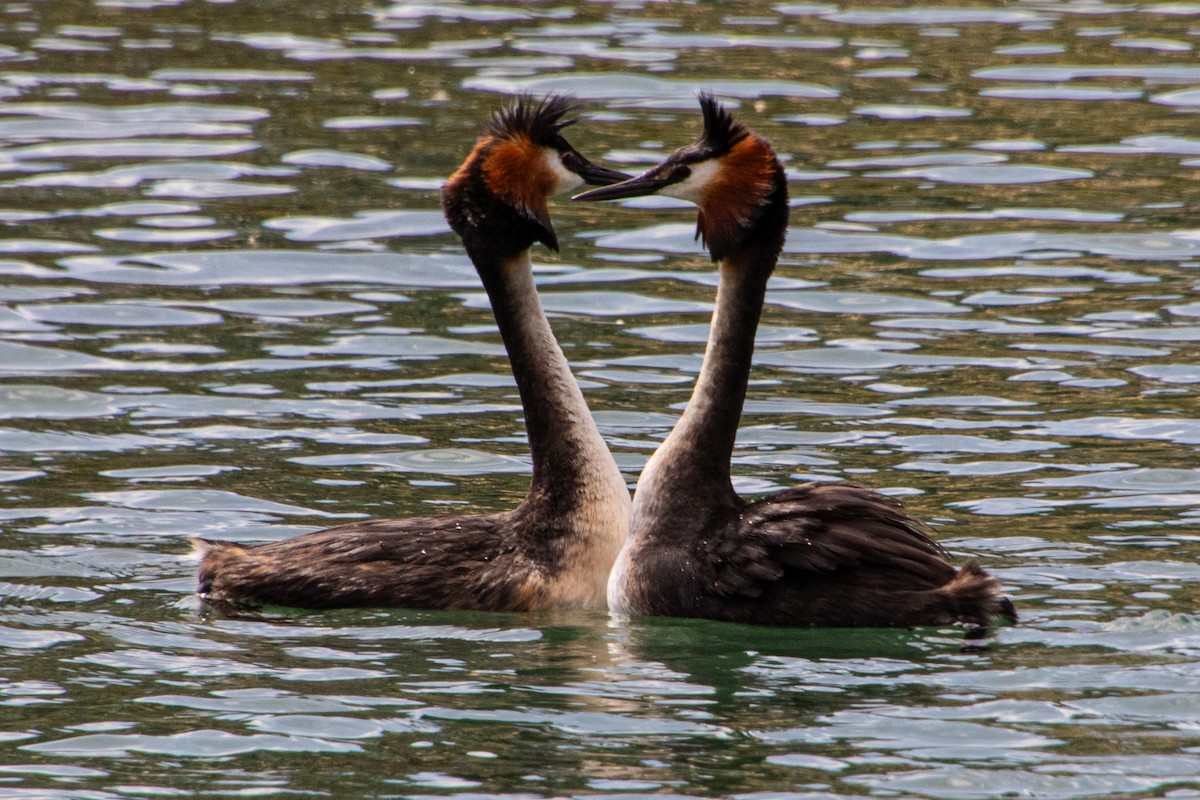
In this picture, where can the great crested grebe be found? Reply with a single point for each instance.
(556, 548)
(817, 554)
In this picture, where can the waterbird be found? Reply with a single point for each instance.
(555, 549)
(816, 554)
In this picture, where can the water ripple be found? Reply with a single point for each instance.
(193, 744)
(218, 317)
(453, 461)
(277, 268)
(653, 92)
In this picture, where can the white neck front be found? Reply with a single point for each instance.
(575, 477)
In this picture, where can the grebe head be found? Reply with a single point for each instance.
(731, 173)
(519, 161)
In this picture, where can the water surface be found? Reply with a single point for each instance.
(229, 306)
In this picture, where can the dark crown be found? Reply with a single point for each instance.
(538, 120)
(721, 132)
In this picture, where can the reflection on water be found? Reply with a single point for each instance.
(230, 307)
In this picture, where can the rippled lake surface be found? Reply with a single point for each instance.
(229, 306)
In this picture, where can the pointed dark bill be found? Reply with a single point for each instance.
(594, 174)
(642, 185)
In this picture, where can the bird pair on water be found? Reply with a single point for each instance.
(817, 554)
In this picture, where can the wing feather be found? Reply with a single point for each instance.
(428, 562)
(821, 528)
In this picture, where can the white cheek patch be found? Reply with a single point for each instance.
(564, 179)
(693, 187)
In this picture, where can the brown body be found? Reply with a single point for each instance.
(476, 562)
(818, 554)
(833, 555)
(556, 548)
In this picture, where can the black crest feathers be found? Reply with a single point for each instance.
(721, 132)
(538, 120)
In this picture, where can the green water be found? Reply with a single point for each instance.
(229, 307)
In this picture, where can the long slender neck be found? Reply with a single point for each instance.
(569, 455)
(695, 456)
(690, 470)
